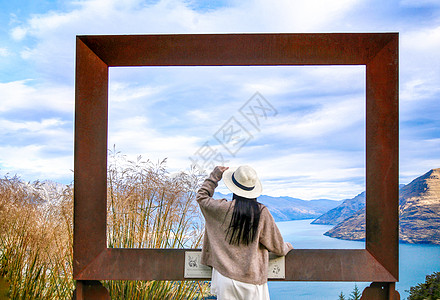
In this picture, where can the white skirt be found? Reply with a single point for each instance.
(229, 289)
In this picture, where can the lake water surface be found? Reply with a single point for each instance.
(415, 262)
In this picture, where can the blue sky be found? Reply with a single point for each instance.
(311, 142)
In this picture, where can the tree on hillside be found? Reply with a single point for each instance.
(355, 294)
(341, 296)
(430, 289)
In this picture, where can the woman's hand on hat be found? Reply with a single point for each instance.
(217, 173)
(222, 169)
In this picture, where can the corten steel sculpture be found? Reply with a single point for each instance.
(377, 263)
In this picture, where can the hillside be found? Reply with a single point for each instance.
(343, 211)
(419, 209)
(348, 208)
(288, 208)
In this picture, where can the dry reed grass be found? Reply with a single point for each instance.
(35, 241)
(147, 208)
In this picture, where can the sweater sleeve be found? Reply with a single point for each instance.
(270, 236)
(206, 191)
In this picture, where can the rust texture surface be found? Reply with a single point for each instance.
(95, 54)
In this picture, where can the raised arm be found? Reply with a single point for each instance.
(204, 194)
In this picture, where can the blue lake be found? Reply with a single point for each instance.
(416, 261)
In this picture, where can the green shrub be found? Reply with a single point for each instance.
(429, 290)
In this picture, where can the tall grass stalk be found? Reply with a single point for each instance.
(150, 208)
(35, 241)
(147, 208)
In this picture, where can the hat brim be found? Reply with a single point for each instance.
(227, 179)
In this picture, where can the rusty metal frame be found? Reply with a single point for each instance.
(378, 262)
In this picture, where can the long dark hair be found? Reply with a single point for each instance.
(244, 222)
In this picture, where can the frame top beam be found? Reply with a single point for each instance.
(237, 49)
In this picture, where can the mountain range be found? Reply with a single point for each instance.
(343, 211)
(288, 208)
(419, 213)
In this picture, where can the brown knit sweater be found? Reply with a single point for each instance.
(245, 263)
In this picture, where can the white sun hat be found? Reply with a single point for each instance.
(243, 181)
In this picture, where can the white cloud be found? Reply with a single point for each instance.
(330, 118)
(421, 64)
(199, 115)
(38, 150)
(124, 92)
(31, 126)
(22, 95)
(312, 175)
(55, 31)
(30, 163)
(275, 16)
(136, 136)
(18, 33)
(41, 147)
(4, 52)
